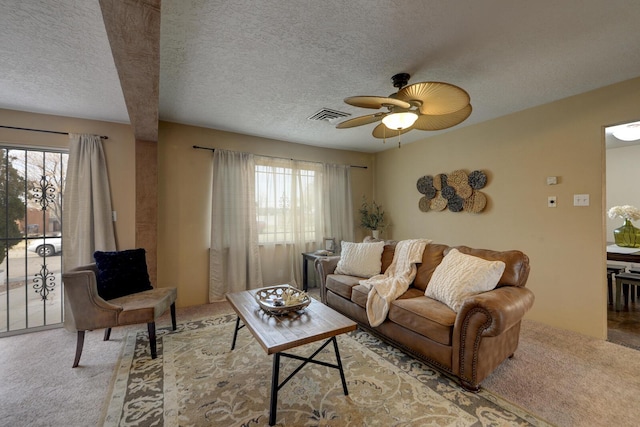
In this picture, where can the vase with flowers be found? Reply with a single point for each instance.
(627, 235)
(372, 217)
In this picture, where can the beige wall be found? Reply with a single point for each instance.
(184, 194)
(623, 176)
(565, 139)
(118, 149)
(566, 244)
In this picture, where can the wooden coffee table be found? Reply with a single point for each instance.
(277, 334)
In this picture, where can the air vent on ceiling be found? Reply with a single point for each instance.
(328, 114)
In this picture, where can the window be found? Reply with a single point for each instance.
(31, 190)
(266, 212)
(288, 197)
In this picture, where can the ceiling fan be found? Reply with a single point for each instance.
(423, 106)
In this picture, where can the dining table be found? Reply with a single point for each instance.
(619, 253)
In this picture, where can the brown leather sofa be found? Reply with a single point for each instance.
(469, 344)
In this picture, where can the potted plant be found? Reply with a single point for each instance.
(372, 217)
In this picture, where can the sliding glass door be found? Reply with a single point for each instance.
(31, 189)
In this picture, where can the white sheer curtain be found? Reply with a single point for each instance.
(87, 218)
(338, 211)
(289, 208)
(266, 212)
(234, 260)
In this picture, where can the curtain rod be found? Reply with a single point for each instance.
(274, 157)
(44, 131)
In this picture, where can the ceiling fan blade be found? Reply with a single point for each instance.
(362, 120)
(381, 131)
(375, 102)
(442, 121)
(437, 98)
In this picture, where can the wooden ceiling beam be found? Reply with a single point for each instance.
(133, 29)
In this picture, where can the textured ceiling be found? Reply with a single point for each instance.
(262, 67)
(55, 59)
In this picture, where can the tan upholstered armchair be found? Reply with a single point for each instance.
(90, 311)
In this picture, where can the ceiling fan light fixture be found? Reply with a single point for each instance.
(427, 106)
(399, 121)
(628, 132)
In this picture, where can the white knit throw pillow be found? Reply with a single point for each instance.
(459, 276)
(360, 259)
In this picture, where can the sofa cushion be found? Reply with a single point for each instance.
(144, 307)
(431, 257)
(460, 275)
(411, 293)
(341, 284)
(359, 295)
(424, 316)
(121, 273)
(360, 259)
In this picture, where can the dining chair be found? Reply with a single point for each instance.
(612, 270)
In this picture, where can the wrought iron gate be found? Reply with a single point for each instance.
(31, 189)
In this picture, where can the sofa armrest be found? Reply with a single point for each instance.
(502, 307)
(324, 267)
(88, 309)
(492, 315)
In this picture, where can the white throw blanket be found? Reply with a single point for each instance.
(387, 287)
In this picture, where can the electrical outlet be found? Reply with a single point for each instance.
(580, 200)
(551, 202)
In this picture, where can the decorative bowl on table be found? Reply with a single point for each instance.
(282, 299)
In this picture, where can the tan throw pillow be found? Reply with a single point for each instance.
(460, 275)
(360, 259)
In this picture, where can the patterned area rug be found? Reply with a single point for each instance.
(198, 381)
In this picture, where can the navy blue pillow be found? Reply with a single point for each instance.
(121, 273)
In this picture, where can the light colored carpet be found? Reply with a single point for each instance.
(570, 379)
(199, 381)
(38, 387)
(566, 378)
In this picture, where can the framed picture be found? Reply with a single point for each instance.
(329, 244)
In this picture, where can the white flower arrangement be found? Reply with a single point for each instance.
(626, 212)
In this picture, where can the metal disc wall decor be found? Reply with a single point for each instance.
(477, 180)
(424, 184)
(424, 204)
(438, 180)
(476, 203)
(459, 180)
(438, 203)
(457, 191)
(455, 203)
